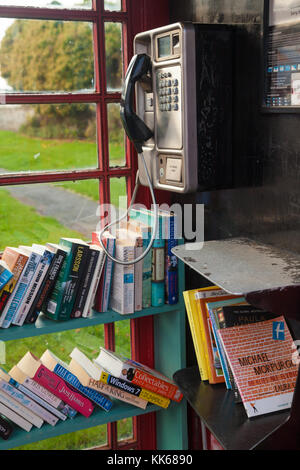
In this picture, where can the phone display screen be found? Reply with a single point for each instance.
(164, 46)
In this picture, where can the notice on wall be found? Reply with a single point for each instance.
(282, 54)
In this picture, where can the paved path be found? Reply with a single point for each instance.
(72, 210)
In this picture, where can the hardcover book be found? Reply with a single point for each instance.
(260, 356)
(94, 283)
(139, 374)
(6, 428)
(31, 366)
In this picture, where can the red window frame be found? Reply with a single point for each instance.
(135, 16)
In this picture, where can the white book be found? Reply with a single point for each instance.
(34, 285)
(17, 405)
(15, 418)
(87, 311)
(93, 370)
(122, 295)
(138, 267)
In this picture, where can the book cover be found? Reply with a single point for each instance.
(61, 369)
(102, 297)
(16, 260)
(33, 287)
(211, 307)
(6, 428)
(260, 356)
(48, 282)
(92, 291)
(122, 295)
(31, 366)
(139, 374)
(17, 296)
(158, 254)
(5, 274)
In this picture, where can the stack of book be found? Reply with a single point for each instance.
(58, 280)
(46, 389)
(247, 348)
(72, 278)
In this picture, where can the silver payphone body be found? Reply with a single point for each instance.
(168, 107)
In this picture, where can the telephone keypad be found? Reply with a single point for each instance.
(168, 92)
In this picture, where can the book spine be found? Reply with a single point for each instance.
(138, 278)
(15, 418)
(156, 385)
(42, 392)
(46, 287)
(220, 349)
(6, 428)
(82, 294)
(135, 390)
(20, 290)
(108, 273)
(189, 312)
(33, 405)
(158, 277)
(21, 409)
(77, 269)
(147, 271)
(8, 289)
(94, 286)
(71, 379)
(51, 306)
(171, 262)
(117, 393)
(5, 277)
(33, 288)
(122, 300)
(58, 387)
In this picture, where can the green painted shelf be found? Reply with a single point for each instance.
(45, 325)
(119, 411)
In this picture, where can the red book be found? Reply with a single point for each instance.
(33, 368)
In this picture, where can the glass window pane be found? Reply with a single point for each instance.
(113, 51)
(125, 429)
(118, 193)
(41, 213)
(76, 4)
(45, 56)
(116, 136)
(113, 5)
(47, 137)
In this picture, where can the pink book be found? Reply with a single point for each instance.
(34, 369)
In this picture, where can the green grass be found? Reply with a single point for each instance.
(22, 153)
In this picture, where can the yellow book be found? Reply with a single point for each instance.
(195, 327)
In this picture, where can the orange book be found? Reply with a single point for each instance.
(16, 260)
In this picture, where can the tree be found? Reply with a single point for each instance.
(47, 56)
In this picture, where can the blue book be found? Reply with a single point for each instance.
(171, 261)
(212, 310)
(93, 395)
(5, 274)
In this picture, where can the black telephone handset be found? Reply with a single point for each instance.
(137, 131)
